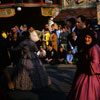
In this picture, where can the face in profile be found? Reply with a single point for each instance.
(88, 39)
(79, 23)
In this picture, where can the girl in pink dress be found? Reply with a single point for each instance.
(86, 85)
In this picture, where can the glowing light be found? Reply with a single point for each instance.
(19, 8)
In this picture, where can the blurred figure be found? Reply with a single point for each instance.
(61, 55)
(42, 54)
(46, 38)
(53, 28)
(5, 61)
(58, 32)
(63, 38)
(51, 55)
(69, 57)
(25, 32)
(30, 73)
(18, 30)
(72, 43)
(9, 36)
(81, 22)
(81, 27)
(14, 43)
(34, 37)
(46, 26)
(53, 40)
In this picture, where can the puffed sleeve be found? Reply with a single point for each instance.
(94, 60)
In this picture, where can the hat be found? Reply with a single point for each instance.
(46, 29)
(90, 33)
(25, 26)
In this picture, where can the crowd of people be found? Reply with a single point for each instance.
(50, 40)
(29, 49)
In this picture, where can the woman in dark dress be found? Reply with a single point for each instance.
(86, 85)
(29, 73)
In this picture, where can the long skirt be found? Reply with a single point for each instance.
(85, 87)
(30, 74)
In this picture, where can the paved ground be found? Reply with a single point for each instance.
(62, 77)
(60, 66)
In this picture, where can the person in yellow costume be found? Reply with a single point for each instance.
(53, 39)
(46, 38)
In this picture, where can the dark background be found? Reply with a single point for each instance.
(28, 15)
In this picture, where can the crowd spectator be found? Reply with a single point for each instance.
(18, 30)
(46, 26)
(53, 40)
(46, 38)
(34, 36)
(58, 32)
(51, 55)
(63, 39)
(14, 43)
(69, 57)
(61, 55)
(42, 54)
(53, 28)
(72, 43)
(25, 32)
(81, 26)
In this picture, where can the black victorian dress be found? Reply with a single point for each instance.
(30, 73)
